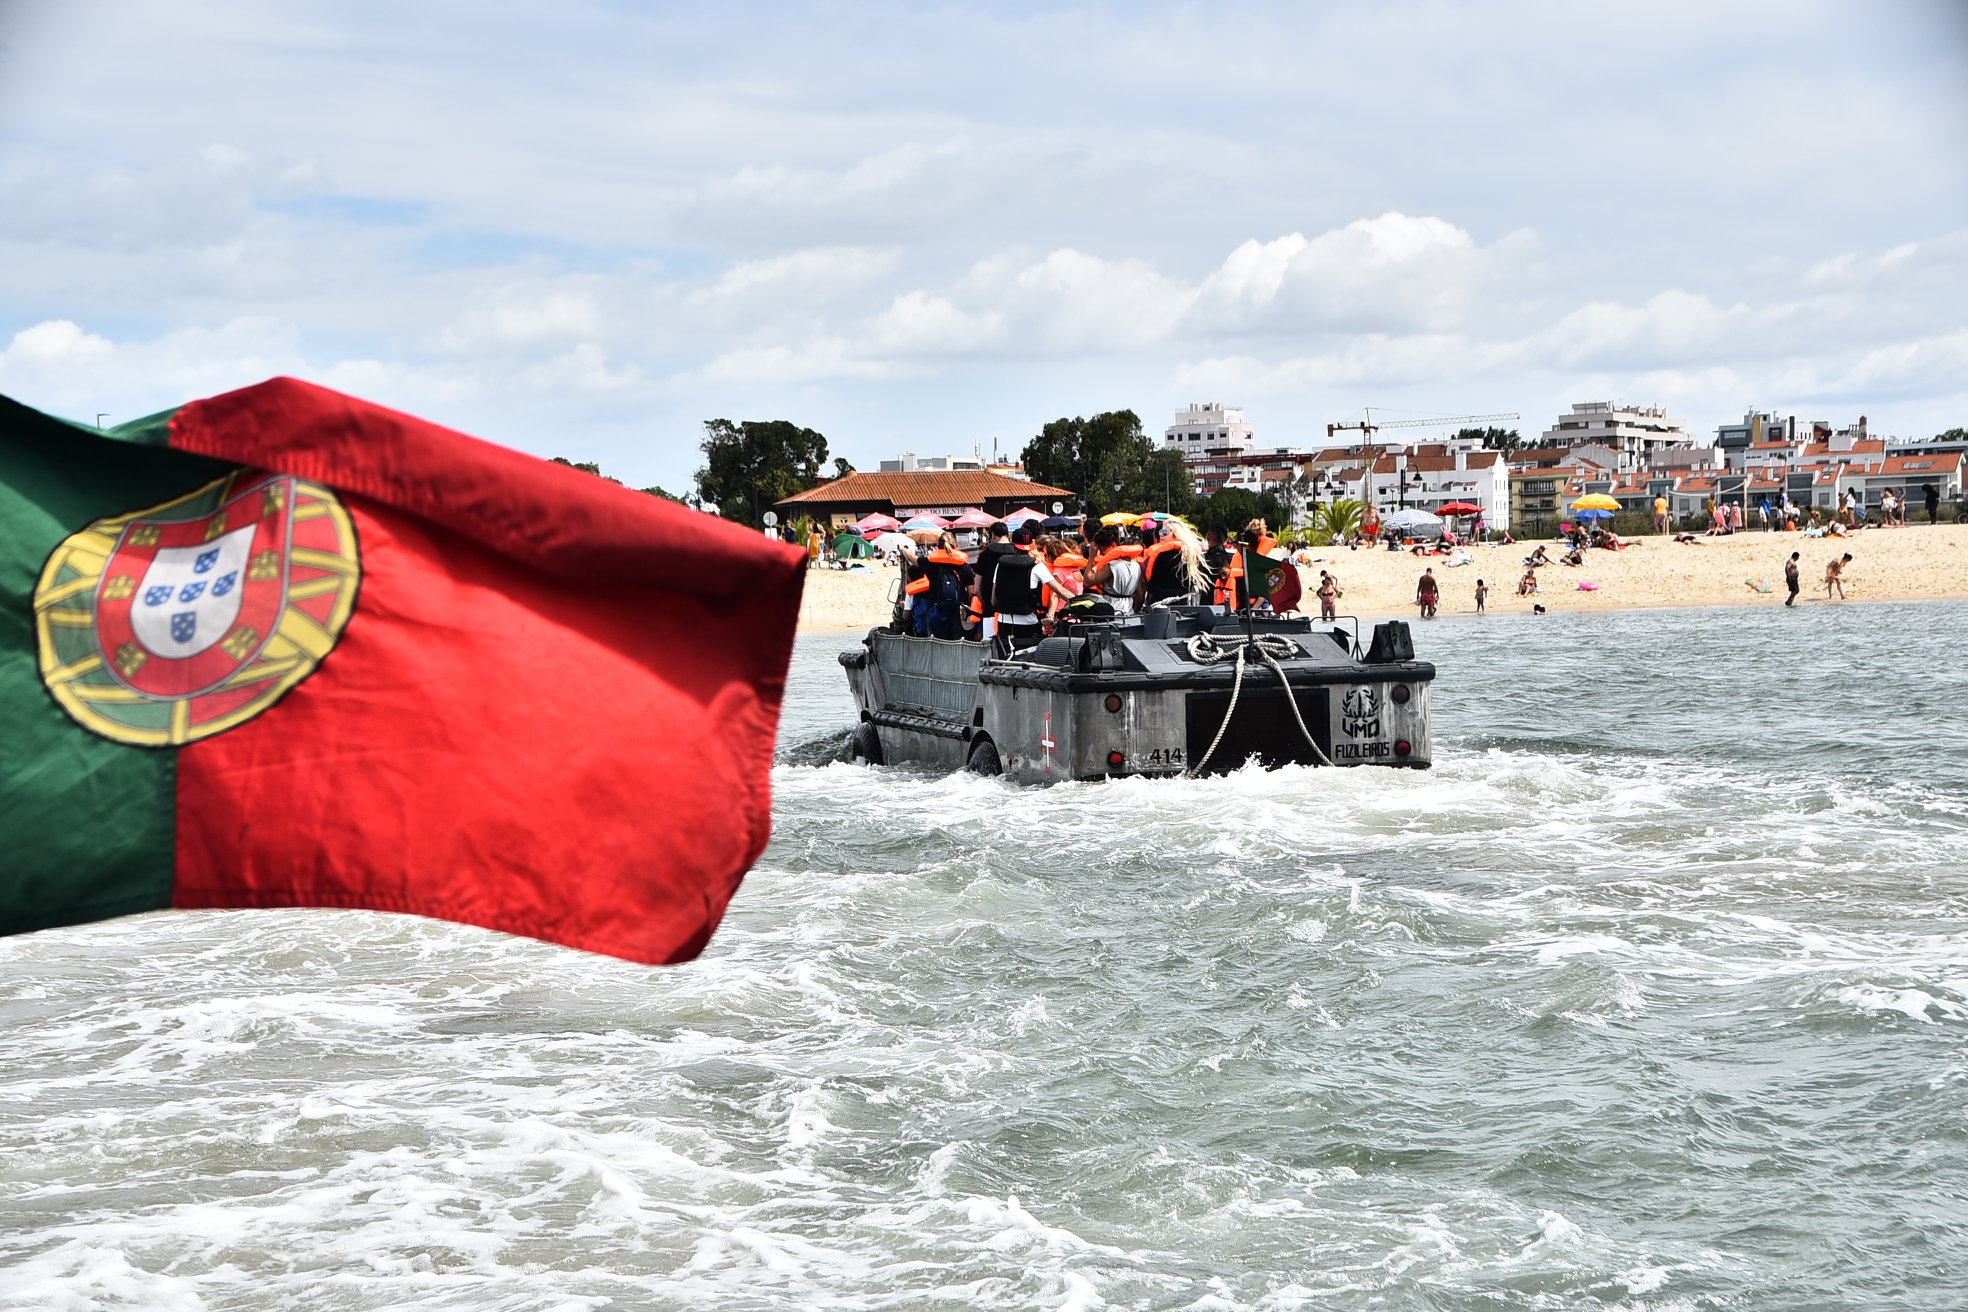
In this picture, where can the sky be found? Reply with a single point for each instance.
(582, 229)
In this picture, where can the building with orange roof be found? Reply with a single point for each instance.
(902, 493)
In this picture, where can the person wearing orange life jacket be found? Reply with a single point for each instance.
(1226, 568)
(1065, 565)
(1116, 572)
(1169, 564)
(938, 610)
(1018, 589)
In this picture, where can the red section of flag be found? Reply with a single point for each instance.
(552, 713)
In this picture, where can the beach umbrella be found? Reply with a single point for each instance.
(1460, 508)
(1060, 521)
(933, 523)
(973, 518)
(1020, 515)
(1119, 517)
(878, 522)
(1596, 501)
(890, 542)
(1592, 512)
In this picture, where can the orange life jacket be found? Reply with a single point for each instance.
(947, 556)
(1226, 587)
(1125, 551)
(1155, 553)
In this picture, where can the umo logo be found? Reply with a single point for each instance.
(1360, 713)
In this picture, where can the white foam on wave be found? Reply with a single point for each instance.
(1913, 1003)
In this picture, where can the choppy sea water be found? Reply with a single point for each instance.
(1652, 994)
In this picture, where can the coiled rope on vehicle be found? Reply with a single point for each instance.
(1208, 649)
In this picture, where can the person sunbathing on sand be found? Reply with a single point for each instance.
(1528, 585)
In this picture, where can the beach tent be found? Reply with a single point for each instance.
(852, 546)
(876, 522)
(1412, 523)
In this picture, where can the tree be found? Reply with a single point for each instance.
(1336, 521)
(1496, 439)
(841, 468)
(1105, 460)
(667, 495)
(751, 464)
(586, 467)
(1235, 507)
(1952, 435)
(1292, 496)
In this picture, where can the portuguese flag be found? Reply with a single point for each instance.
(283, 648)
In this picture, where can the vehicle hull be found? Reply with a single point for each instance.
(1111, 700)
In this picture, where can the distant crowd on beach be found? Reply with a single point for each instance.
(1848, 516)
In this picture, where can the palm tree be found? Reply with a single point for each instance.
(1335, 521)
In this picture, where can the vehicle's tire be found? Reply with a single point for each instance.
(864, 745)
(984, 759)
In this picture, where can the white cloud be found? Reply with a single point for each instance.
(892, 216)
(527, 314)
(53, 343)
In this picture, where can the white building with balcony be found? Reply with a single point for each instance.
(1211, 428)
(1635, 432)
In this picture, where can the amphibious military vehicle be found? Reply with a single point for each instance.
(1179, 690)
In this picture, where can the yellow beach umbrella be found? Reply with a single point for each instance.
(1120, 517)
(1595, 501)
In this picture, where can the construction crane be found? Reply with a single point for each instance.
(1366, 428)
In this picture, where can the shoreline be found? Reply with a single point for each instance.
(1917, 563)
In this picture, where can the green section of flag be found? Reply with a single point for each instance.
(1260, 574)
(86, 825)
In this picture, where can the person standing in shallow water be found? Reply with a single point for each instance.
(1482, 595)
(1790, 578)
(1427, 594)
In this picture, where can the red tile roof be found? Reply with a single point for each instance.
(1862, 447)
(1938, 464)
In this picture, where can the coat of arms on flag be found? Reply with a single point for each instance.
(163, 626)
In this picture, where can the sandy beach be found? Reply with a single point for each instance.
(1916, 563)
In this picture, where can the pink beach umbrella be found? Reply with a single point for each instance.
(973, 518)
(876, 522)
(1021, 515)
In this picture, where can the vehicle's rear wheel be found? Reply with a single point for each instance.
(865, 744)
(984, 759)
